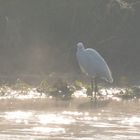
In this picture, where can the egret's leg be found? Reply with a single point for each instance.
(95, 88)
(92, 88)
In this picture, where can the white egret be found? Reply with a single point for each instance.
(93, 65)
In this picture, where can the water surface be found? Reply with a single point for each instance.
(78, 119)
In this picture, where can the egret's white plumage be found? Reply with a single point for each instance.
(92, 63)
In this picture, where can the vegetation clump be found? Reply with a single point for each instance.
(129, 93)
(63, 90)
(60, 89)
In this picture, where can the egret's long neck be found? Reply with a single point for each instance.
(80, 48)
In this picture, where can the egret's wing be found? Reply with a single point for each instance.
(97, 65)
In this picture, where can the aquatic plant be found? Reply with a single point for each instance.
(43, 87)
(20, 85)
(129, 93)
(78, 84)
(62, 89)
(59, 89)
(4, 89)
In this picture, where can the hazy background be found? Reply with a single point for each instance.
(38, 37)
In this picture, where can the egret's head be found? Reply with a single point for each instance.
(80, 46)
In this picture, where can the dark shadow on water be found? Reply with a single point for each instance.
(94, 104)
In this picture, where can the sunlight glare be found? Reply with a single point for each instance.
(48, 130)
(80, 93)
(18, 116)
(72, 113)
(131, 121)
(54, 119)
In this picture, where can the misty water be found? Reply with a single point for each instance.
(38, 41)
(38, 117)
